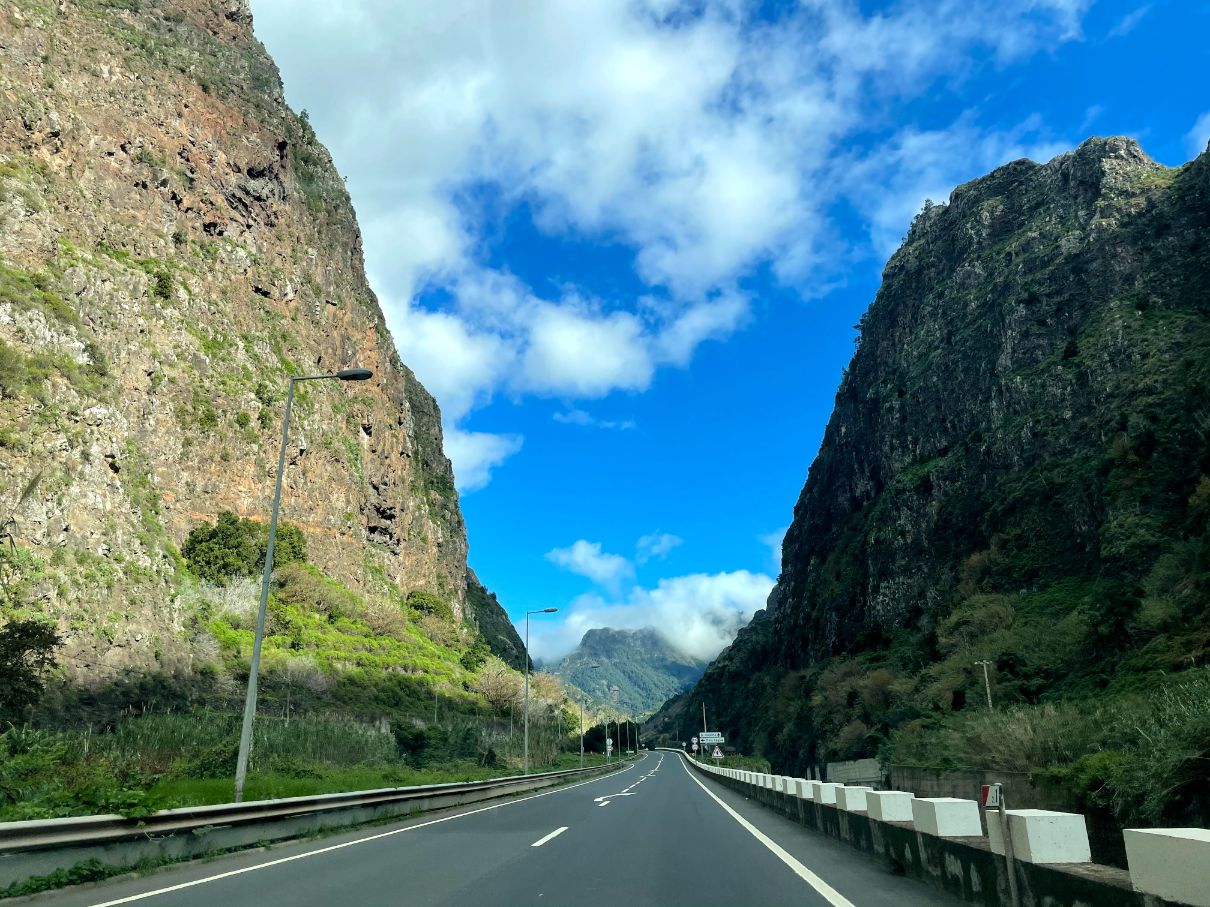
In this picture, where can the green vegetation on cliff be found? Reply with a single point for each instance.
(1017, 471)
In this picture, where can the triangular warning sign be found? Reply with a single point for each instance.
(718, 753)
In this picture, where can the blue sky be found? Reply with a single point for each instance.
(625, 244)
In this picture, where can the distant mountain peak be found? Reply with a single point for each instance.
(641, 663)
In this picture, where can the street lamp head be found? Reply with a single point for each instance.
(355, 374)
(549, 610)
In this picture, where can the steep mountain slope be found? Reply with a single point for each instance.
(1017, 470)
(640, 663)
(489, 617)
(175, 242)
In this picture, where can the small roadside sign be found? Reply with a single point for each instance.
(693, 740)
(717, 754)
(990, 795)
(711, 737)
(695, 746)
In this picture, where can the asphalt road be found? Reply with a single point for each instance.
(652, 834)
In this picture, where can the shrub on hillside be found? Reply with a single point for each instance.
(26, 654)
(428, 603)
(234, 546)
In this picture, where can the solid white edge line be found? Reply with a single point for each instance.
(311, 853)
(553, 834)
(833, 896)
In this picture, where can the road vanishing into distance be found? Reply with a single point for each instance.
(653, 833)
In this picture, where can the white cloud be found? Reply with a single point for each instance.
(583, 354)
(1129, 22)
(656, 545)
(587, 419)
(586, 558)
(1199, 136)
(692, 133)
(697, 614)
(773, 541)
(475, 454)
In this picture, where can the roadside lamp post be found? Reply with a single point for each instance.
(584, 702)
(613, 695)
(987, 684)
(245, 735)
(527, 614)
(581, 733)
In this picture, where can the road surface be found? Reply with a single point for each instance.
(654, 833)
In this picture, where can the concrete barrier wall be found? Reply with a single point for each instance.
(856, 771)
(1021, 789)
(966, 867)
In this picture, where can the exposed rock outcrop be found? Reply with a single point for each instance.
(176, 242)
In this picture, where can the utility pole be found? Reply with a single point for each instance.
(987, 684)
(705, 730)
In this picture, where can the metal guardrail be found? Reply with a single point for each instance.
(42, 846)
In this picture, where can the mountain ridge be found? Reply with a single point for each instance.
(1016, 470)
(641, 663)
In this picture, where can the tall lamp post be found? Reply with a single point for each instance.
(613, 696)
(987, 683)
(245, 734)
(584, 702)
(527, 614)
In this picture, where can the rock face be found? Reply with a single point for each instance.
(1015, 469)
(175, 242)
(489, 617)
(640, 663)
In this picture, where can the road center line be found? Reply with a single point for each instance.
(311, 853)
(833, 897)
(553, 834)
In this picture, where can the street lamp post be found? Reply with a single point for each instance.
(584, 702)
(245, 735)
(987, 684)
(527, 614)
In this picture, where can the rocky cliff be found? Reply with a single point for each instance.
(1017, 469)
(174, 243)
(484, 610)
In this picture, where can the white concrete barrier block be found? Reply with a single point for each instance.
(796, 788)
(783, 784)
(890, 805)
(946, 817)
(852, 798)
(826, 792)
(1042, 836)
(809, 790)
(1172, 863)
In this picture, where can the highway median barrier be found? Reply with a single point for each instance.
(890, 805)
(1171, 863)
(947, 817)
(1042, 836)
(852, 798)
(940, 841)
(47, 849)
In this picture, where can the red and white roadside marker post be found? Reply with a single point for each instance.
(992, 797)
